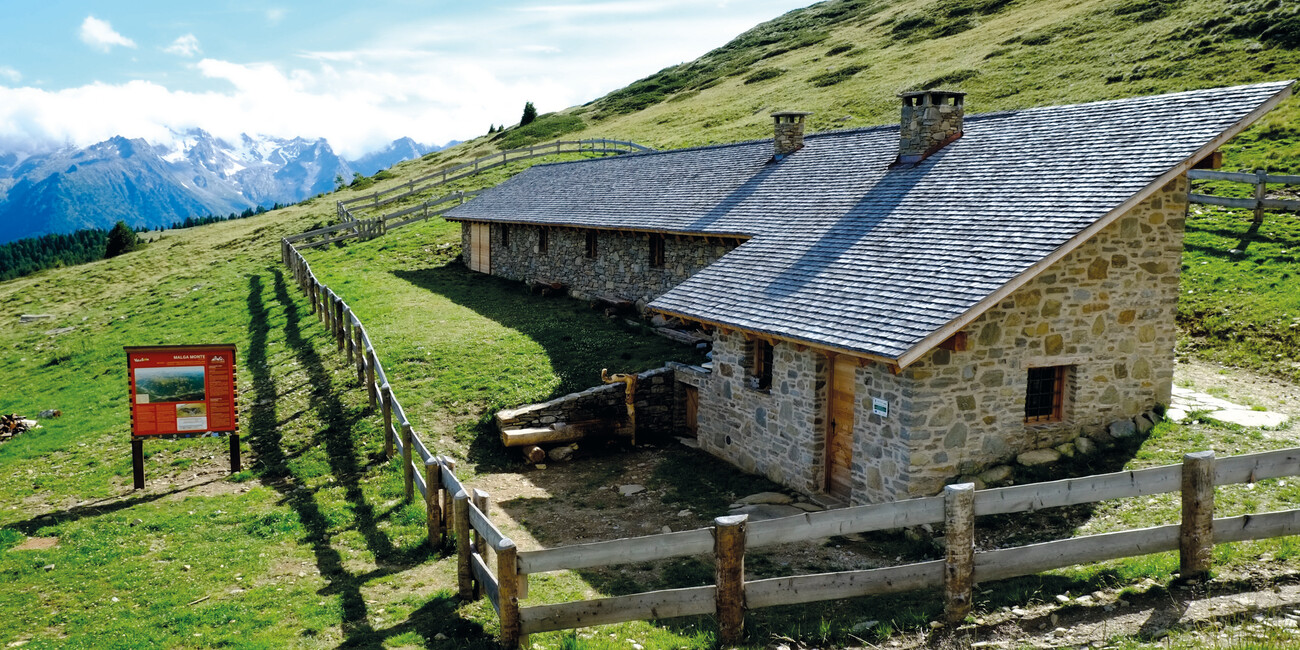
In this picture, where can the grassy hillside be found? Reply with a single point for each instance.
(847, 59)
(312, 545)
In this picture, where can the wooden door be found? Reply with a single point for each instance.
(839, 436)
(692, 409)
(480, 244)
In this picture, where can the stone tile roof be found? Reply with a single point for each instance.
(851, 254)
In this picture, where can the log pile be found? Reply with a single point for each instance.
(14, 424)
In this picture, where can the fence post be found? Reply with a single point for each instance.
(508, 593)
(432, 508)
(464, 578)
(483, 502)
(1261, 182)
(387, 402)
(355, 331)
(408, 471)
(342, 325)
(448, 503)
(372, 364)
(348, 345)
(729, 551)
(1196, 534)
(959, 565)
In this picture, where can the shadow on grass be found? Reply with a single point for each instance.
(578, 342)
(273, 463)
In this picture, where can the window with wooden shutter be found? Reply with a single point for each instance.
(591, 244)
(543, 240)
(656, 250)
(1045, 394)
(505, 235)
(760, 364)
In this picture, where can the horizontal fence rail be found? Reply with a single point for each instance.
(1193, 538)
(1260, 179)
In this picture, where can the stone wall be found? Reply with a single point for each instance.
(1106, 311)
(656, 412)
(778, 432)
(881, 453)
(621, 267)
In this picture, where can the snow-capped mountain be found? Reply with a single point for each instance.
(154, 185)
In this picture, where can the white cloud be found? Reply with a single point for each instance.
(100, 35)
(187, 45)
(9, 74)
(433, 80)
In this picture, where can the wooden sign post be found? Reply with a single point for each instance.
(181, 391)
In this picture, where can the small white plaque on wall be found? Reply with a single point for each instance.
(879, 407)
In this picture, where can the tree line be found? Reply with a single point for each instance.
(27, 256)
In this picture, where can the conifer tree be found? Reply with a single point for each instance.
(530, 114)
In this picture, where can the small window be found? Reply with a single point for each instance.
(591, 244)
(543, 240)
(760, 364)
(1045, 394)
(656, 250)
(505, 235)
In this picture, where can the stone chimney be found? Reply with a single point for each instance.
(931, 119)
(789, 132)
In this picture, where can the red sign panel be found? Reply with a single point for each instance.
(182, 390)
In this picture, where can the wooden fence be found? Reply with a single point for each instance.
(1260, 179)
(431, 475)
(599, 146)
(731, 595)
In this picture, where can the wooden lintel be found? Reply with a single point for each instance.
(894, 369)
(955, 343)
(863, 362)
(799, 347)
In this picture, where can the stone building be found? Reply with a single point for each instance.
(892, 307)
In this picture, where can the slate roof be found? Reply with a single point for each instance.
(851, 254)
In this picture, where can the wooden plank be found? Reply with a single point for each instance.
(483, 526)
(1035, 558)
(1258, 526)
(794, 590)
(487, 582)
(1281, 204)
(1211, 175)
(1223, 201)
(1076, 491)
(669, 603)
(619, 551)
(846, 521)
(1250, 468)
(450, 482)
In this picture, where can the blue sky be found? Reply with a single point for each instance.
(360, 74)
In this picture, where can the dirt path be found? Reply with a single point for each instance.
(1241, 386)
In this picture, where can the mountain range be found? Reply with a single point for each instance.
(154, 185)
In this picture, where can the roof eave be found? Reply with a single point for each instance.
(932, 341)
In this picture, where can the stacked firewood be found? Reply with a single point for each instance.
(14, 424)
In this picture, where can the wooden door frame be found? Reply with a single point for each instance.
(828, 458)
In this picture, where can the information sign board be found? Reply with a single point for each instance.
(182, 391)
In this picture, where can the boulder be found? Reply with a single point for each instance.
(1143, 424)
(975, 480)
(1038, 457)
(561, 453)
(629, 490)
(1122, 429)
(996, 475)
(1084, 445)
(771, 498)
(1067, 450)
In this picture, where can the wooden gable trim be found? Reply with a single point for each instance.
(938, 336)
(722, 238)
